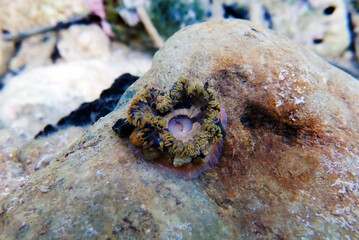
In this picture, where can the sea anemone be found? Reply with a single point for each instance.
(181, 130)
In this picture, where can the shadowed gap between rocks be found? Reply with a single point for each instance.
(89, 112)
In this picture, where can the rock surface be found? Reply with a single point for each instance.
(6, 51)
(38, 96)
(83, 42)
(34, 52)
(320, 25)
(289, 168)
(20, 15)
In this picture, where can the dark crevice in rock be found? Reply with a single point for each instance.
(88, 19)
(353, 34)
(55, 55)
(89, 112)
(255, 117)
(329, 10)
(268, 18)
(317, 40)
(234, 11)
(17, 48)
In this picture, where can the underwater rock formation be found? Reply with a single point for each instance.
(289, 167)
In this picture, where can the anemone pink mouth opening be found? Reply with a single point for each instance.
(180, 125)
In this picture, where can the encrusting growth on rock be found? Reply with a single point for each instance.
(183, 126)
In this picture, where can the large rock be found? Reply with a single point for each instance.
(289, 168)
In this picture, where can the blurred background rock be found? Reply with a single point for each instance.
(326, 27)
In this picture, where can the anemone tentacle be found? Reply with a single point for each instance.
(150, 109)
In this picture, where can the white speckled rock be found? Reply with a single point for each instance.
(289, 168)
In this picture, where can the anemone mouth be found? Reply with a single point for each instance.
(183, 125)
(180, 125)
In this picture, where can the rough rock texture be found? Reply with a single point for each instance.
(289, 169)
(11, 170)
(20, 15)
